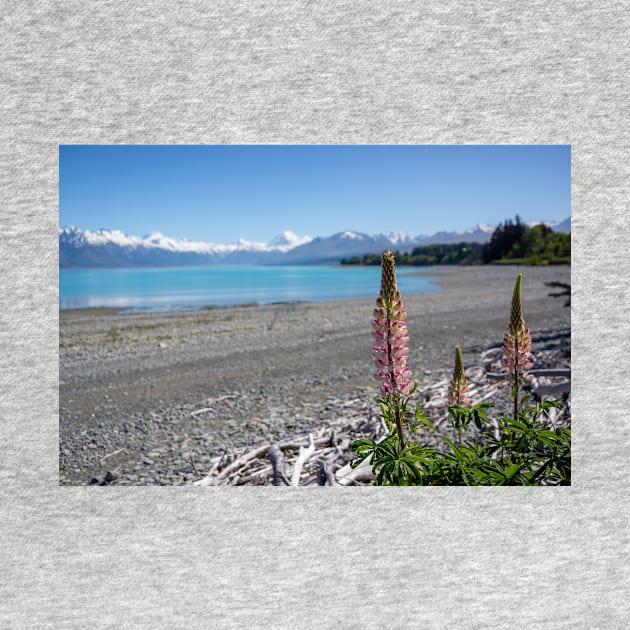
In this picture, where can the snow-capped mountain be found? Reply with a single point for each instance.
(157, 240)
(326, 249)
(288, 240)
(113, 248)
(480, 233)
(556, 226)
(561, 226)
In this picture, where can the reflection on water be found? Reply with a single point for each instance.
(192, 287)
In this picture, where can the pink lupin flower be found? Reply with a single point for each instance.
(517, 343)
(390, 333)
(458, 387)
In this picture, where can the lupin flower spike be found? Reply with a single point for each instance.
(390, 332)
(517, 343)
(458, 387)
(388, 276)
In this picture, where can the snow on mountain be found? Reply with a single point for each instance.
(563, 226)
(102, 237)
(105, 237)
(288, 240)
(101, 248)
(113, 248)
(556, 226)
(483, 228)
(283, 242)
(329, 249)
(480, 233)
(157, 240)
(349, 234)
(399, 238)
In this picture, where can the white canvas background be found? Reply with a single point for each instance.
(304, 72)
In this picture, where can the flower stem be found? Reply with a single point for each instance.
(515, 393)
(398, 419)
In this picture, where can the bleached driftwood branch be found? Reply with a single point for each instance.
(325, 476)
(303, 457)
(215, 481)
(120, 450)
(348, 476)
(564, 372)
(199, 411)
(258, 453)
(550, 389)
(277, 462)
(211, 401)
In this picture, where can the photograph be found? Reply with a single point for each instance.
(285, 247)
(314, 315)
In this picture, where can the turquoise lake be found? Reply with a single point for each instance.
(182, 288)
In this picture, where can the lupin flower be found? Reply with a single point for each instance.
(458, 387)
(390, 332)
(517, 343)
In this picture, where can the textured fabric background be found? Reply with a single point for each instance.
(305, 72)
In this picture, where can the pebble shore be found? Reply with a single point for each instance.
(150, 399)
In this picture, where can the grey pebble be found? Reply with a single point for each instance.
(286, 382)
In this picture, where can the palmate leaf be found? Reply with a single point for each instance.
(425, 421)
(517, 425)
(480, 415)
(525, 451)
(414, 472)
(550, 440)
(543, 407)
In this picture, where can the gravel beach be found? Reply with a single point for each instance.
(151, 398)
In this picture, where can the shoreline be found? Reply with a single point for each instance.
(435, 272)
(164, 385)
(89, 311)
(187, 307)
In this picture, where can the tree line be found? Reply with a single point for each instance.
(511, 242)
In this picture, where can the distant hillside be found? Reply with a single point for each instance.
(112, 248)
(510, 242)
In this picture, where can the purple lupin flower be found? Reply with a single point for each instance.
(458, 387)
(517, 343)
(390, 333)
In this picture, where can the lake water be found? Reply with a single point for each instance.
(193, 287)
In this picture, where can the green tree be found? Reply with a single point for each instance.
(504, 237)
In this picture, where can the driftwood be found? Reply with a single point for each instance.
(211, 401)
(348, 476)
(235, 465)
(267, 463)
(325, 476)
(303, 457)
(219, 475)
(120, 450)
(277, 462)
(549, 389)
(565, 372)
(566, 290)
(198, 411)
(325, 457)
(541, 388)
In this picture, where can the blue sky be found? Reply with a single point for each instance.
(220, 193)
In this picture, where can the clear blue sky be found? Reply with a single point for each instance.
(220, 193)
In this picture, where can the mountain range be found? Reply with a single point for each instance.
(112, 248)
